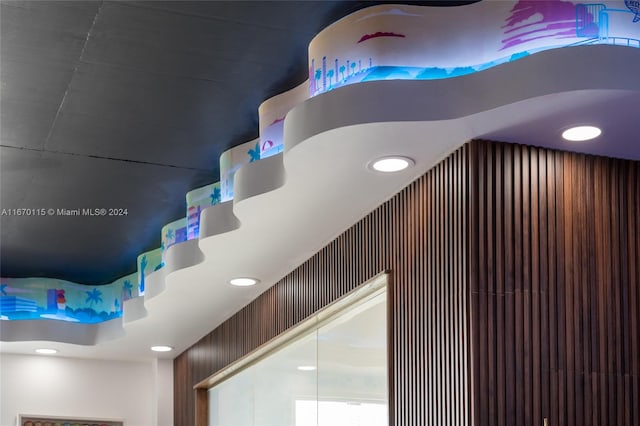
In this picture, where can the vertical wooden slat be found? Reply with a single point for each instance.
(518, 323)
(564, 232)
(500, 286)
(527, 262)
(580, 319)
(537, 312)
(418, 235)
(592, 309)
(568, 219)
(633, 218)
(391, 354)
(515, 297)
(202, 408)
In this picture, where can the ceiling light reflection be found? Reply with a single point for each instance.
(243, 281)
(581, 133)
(46, 351)
(307, 367)
(391, 164)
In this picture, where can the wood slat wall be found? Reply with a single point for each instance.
(555, 281)
(419, 236)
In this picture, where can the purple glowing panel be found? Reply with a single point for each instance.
(531, 20)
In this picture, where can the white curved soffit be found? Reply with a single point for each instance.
(550, 72)
(289, 206)
(218, 219)
(330, 138)
(61, 331)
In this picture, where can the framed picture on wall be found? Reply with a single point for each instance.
(38, 420)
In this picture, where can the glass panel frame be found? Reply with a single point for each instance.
(284, 363)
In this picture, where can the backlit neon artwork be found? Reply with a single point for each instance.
(197, 200)
(38, 298)
(173, 233)
(441, 43)
(385, 42)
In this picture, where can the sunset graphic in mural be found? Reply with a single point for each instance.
(531, 20)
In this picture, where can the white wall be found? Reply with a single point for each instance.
(164, 392)
(141, 393)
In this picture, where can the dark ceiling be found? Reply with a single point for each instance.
(129, 104)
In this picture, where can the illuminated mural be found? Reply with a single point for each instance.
(230, 163)
(38, 298)
(272, 114)
(197, 200)
(148, 263)
(385, 42)
(366, 45)
(173, 233)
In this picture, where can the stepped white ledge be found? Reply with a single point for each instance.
(259, 178)
(218, 219)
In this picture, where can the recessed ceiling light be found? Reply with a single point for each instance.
(307, 367)
(581, 133)
(243, 281)
(391, 164)
(161, 348)
(46, 351)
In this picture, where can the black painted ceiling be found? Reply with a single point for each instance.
(129, 104)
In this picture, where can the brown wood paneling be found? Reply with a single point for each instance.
(202, 407)
(516, 294)
(556, 287)
(420, 236)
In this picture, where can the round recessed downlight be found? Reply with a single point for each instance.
(46, 351)
(243, 281)
(307, 367)
(161, 348)
(581, 133)
(391, 164)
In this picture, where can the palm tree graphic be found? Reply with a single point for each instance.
(215, 196)
(3, 290)
(169, 234)
(330, 75)
(318, 76)
(254, 154)
(94, 296)
(126, 289)
(143, 265)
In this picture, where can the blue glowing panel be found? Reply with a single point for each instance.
(397, 42)
(231, 161)
(198, 200)
(51, 299)
(173, 233)
(148, 263)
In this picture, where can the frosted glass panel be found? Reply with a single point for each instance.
(352, 367)
(231, 402)
(278, 382)
(334, 375)
(341, 413)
